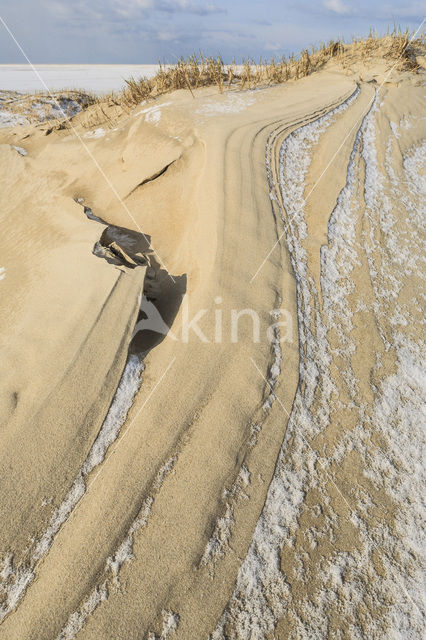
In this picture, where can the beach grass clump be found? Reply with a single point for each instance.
(200, 71)
(41, 106)
(397, 47)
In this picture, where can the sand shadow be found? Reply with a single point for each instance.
(162, 293)
(161, 299)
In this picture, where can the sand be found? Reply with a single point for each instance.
(197, 486)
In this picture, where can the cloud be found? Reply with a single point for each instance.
(413, 10)
(261, 22)
(136, 18)
(187, 6)
(273, 46)
(132, 8)
(145, 30)
(337, 6)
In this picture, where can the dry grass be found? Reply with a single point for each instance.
(395, 46)
(199, 71)
(40, 106)
(206, 72)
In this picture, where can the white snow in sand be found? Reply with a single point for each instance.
(96, 133)
(153, 114)
(19, 109)
(78, 618)
(154, 117)
(18, 580)
(20, 150)
(123, 554)
(170, 626)
(231, 103)
(11, 119)
(262, 594)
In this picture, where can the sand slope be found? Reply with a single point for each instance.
(255, 489)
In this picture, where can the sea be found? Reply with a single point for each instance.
(97, 78)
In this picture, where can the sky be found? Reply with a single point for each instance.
(145, 31)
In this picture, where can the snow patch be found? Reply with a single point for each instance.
(231, 103)
(170, 626)
(95, 134)
(20, 150)
(17, 583)
(76, 620)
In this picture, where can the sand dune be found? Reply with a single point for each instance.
(203, 484)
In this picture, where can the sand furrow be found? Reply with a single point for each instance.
(260, 481)
(269, 586)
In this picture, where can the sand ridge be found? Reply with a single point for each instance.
(214, 515)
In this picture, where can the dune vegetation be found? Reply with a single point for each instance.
(396, 48)
(199, 71)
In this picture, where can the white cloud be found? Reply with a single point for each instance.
(273, 46)
(337, 6)
(169, 6)
(107, 9)
(412, 10)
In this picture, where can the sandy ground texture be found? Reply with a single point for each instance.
(204, 485)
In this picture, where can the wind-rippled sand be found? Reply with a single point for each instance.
(167, 489)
